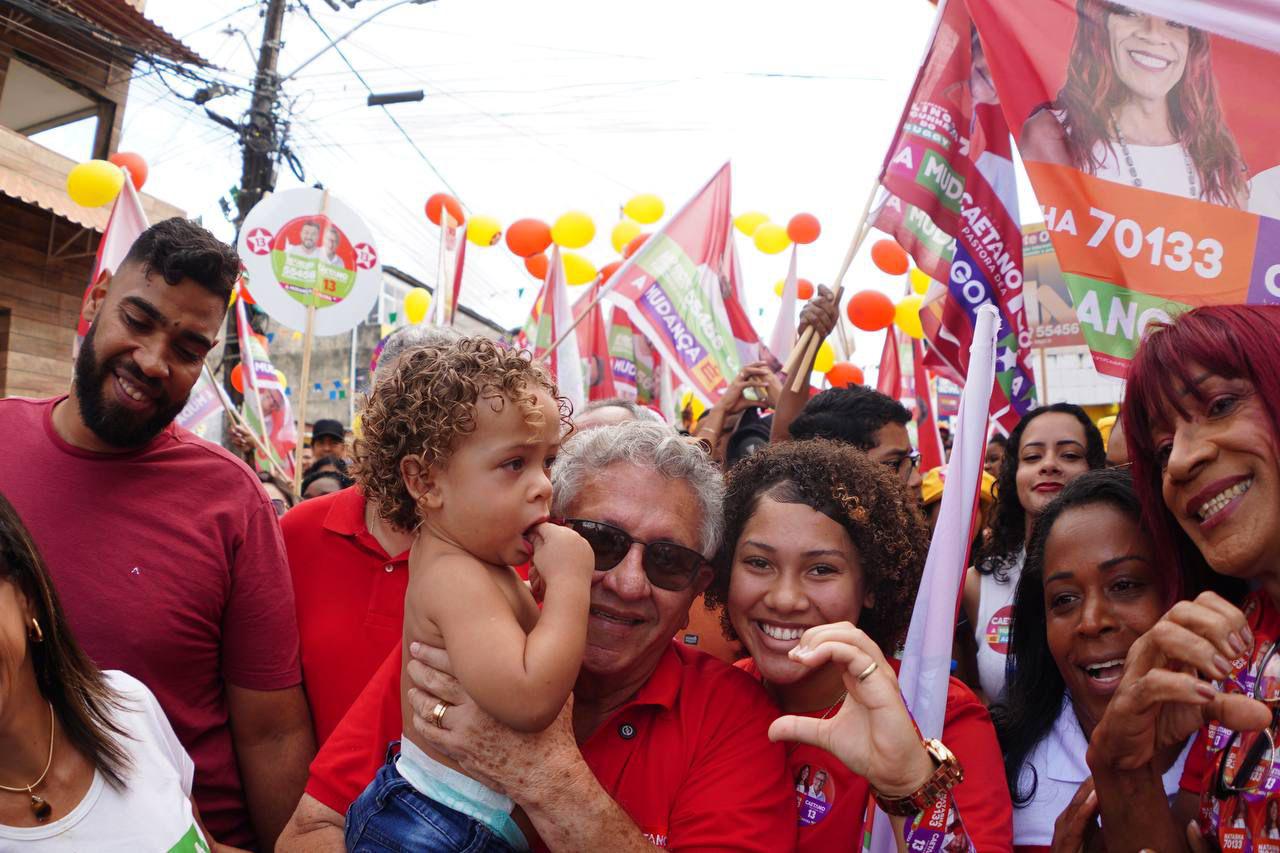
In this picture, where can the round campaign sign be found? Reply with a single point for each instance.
(312, 256)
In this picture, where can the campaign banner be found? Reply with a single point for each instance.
(1053, 320)
(593, 346)
(622, 354)
(953, 204)
(203, 413)
(674, 290)
(266, 409)
(1157, 172)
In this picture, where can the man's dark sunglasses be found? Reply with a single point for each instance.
(666, 564)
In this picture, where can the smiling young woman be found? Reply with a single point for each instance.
(822, 541)
(1089, 589)
(1203, 421)
(1048, 448)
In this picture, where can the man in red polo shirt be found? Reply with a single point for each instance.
(661, 745)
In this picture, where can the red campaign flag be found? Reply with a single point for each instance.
(125, 224)
(459, 260)
(1157, 171)
(889, 381)
(928, 438)
(550, 325)
(952, 202)
(674, 290)
(622, 355)
(593, 347)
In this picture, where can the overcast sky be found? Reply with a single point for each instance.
(537, 108)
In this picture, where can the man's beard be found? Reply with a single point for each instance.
(109, 421)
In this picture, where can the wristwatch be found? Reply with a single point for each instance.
(948, 774)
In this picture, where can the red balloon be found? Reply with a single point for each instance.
(607, 271)
(537, 266)
(890, 257)
(870, 310)
(803, 228)
(134, 163)
(237, 378)
(444, 201)
(843, 374)
(528, 237)
(804, 288)
(634, 246)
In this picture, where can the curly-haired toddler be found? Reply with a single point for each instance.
(458, 445)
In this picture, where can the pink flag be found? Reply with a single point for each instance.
(460, 260)
(556, 317)
(926, 659)
(783, 337)
(125, 225)
(593, 346)
(889, 381)
(674, 289)
(266, 408)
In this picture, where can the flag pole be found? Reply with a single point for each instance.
(306, 354)
(240, 422)
(806, 349)
(591, 306)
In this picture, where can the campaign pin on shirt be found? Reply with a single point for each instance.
(626, 731)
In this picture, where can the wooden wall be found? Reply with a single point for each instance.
(43, 300)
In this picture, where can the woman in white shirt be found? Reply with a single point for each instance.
(1140, 107)
(1090, 587)
(1050, 446)
(87, 758)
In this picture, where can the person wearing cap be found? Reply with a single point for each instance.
(931, 486)
(329, 438)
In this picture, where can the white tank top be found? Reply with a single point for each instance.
(991, 632)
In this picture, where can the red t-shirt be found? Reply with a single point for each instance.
(1239, 822)
(688, 758)
(831, 819)
(350, 600)
(169, 565)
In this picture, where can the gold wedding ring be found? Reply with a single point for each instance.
(866, 673)
(437, 714)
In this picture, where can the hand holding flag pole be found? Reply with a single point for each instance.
(806, 349)
(239, 421)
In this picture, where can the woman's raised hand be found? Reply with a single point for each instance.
(872, 733)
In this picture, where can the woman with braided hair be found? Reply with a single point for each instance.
(821, 560)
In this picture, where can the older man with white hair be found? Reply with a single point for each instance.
(660, 745)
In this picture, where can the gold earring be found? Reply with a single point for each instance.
(37, 635)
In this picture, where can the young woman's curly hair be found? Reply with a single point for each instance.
(428, 403)
(873, 506)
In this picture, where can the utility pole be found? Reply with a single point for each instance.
(259, 146)
(258, 139)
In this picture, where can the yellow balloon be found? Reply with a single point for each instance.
(573, 230)
(578, 270)
(94, 183)
(623, 233)
(645, 209)
(907, 315)
(779, 286)
(919, 281)
(747, 223)
(282, 379)
(483, 230)
(771, 238)
(826, 358)
(416, 303)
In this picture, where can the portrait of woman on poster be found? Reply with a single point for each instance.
(1140, 107)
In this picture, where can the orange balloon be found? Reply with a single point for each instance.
(444, 201)
(537, 266)
(237, 378)
(634, 246)
(607, 271)
(843, 374)
(135, 164)
(890, 257)
(804, 288)
(871, 310)
(803, 228)
(528, 237)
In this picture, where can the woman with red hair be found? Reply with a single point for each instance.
(1202, 418)
(1140, 107)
